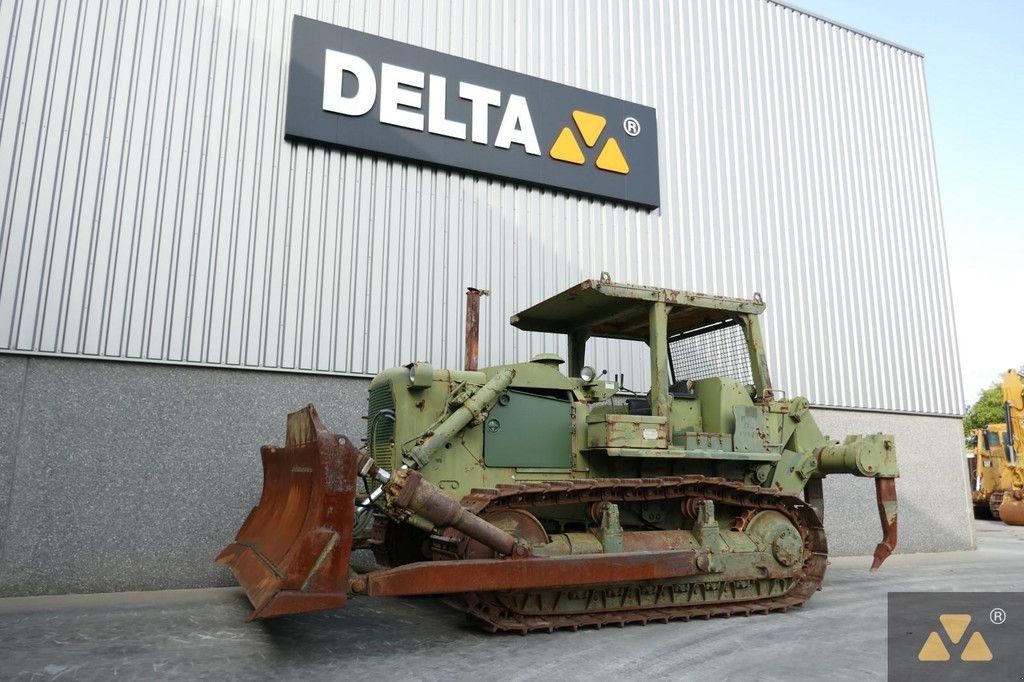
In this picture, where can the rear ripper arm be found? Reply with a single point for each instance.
(872, 456)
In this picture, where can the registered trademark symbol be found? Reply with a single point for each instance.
(631, 126)
(997, 616)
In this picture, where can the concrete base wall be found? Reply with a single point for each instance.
(124, 476)
(935, 513)
(121, 476)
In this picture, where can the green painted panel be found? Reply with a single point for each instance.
(751, 429)
(526, 430)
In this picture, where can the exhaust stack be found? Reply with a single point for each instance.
(473, 326)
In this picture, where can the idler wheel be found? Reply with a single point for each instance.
(773, 532)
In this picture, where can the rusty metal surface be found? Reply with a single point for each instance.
(517, 522)
(885, 492)
(473, 326)
(408, 490)
(292, 553)
(486, 575)
(1011, 510)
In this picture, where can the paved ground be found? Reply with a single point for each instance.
(197, 634)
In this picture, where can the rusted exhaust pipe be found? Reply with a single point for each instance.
(473, 326)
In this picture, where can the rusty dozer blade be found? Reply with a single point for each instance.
(292, 553)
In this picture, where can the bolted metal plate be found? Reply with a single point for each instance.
(751, 429)
(527, 430)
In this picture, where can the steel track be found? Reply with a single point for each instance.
(995, 500)
(503, 611)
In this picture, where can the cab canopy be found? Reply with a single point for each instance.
(694, 336)
(599, 308)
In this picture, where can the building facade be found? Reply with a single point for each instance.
(176, 275)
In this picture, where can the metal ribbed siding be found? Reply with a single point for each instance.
(152, 210)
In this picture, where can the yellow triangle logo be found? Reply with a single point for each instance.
(933, 649)
(976, 649)
(955, 625)
(566, 148)
(590, 126)
(611, 158)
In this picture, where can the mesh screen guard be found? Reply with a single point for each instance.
(718, 350)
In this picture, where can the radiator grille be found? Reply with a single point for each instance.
(380, 429)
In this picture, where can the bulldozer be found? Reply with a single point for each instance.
(534, 499)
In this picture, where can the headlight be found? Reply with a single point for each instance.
(420, 375)
(588, 374)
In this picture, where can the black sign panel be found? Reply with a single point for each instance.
(363, 92)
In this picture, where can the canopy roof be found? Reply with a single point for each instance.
(621, 311)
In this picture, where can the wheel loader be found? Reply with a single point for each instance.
(536, 500)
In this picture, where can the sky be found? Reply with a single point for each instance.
(974, 67)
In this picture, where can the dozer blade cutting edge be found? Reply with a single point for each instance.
(292, 553)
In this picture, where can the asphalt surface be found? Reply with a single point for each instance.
(202, 634)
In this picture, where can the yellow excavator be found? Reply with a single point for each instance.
(996, 468)
(988, 461)
(1011, 498)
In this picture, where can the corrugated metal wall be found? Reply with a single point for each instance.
(153, 211)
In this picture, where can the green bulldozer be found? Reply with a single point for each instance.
(533, 499)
